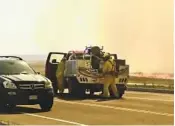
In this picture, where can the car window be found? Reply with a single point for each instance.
(55, 58)
(15, 67)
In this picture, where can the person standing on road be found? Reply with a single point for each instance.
(60, 75)
(108, 71)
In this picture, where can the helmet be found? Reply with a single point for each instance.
(106, 56)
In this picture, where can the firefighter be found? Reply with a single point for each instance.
(60, 75)
(108, 72)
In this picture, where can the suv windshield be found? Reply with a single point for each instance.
(15, 67)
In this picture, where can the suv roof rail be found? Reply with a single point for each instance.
(16, 57)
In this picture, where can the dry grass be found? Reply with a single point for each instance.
(40, 67)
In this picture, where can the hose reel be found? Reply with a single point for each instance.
(96, 54)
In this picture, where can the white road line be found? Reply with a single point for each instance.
(55, 119)
(116, 108)
(149, 99)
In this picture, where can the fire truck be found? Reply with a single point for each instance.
(83, 71)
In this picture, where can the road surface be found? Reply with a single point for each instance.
(136, 108)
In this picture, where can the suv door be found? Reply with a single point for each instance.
(52, 62)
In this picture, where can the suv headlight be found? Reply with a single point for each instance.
(48, 84)
(9, 85)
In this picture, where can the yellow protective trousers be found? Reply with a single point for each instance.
(60, 80)
(60, 76)
(109, 81)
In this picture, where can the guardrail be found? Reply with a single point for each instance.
(151, 87)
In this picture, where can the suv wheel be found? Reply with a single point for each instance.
(46, 105)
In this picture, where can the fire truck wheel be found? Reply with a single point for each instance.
(120, 93)
(75, 89)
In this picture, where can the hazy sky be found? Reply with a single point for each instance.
(140, 31)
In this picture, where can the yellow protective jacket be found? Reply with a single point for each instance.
(60, 69)
(109, 66)
(109, 78)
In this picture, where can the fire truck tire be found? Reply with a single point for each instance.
(120, 93)
(76, 89)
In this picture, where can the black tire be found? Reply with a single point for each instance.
(120, 93)
(46, 105)
(76, 89)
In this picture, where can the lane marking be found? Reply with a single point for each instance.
(116, 108)
(149, 99)
(55, 119)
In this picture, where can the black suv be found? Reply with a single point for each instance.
(21, 85)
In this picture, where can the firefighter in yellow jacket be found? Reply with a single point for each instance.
(60, 75)
(109, 77)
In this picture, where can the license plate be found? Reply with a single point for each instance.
(33, 97)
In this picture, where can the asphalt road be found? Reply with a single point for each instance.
(136, 108)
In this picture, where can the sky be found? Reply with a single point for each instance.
(140, 31)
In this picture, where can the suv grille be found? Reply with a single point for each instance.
(31, 86)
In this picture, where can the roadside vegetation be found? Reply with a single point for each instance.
(150, 80)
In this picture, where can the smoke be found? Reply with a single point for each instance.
(140, 31)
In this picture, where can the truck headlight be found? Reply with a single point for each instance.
(48, 84)
(9, 85)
